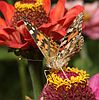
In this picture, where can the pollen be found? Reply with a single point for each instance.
(31, 1)
(74, 77)
(23, 6)
(87, 16)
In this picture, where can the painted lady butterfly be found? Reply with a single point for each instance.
(57, 56)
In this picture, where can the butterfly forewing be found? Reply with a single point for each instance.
(45, 44)
(71, 43)
(74, 30)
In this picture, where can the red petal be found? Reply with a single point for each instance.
(60, 31)
(10, 38)
(24, 32)
(71, 14)
(75, 10)
(1, 42)
(47, 28)
(13, 35)
(2, 23)
(14, 44)
(48, 25)
(68, 22)
(7, 10)
(3, 35)
(46, 5)
(58, 34)
(58, 11)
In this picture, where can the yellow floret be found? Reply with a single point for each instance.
(57, 81)
(23, 6)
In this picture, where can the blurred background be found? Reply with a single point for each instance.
(14, 74)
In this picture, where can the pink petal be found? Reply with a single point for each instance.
(7, 10)
(72, 3)
(92, 31)
(58, 11)
(97, 93)
(91, 7)
(94, 84)
(95, 18)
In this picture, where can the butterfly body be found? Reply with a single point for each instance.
(58, 55)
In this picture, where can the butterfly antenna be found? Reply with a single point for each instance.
(63, 72)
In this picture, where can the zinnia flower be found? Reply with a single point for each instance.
(71, 86)
(92, 20)
(91, 17)
(51, 21)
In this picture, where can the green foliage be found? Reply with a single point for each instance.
(14, 77)
(11, 1)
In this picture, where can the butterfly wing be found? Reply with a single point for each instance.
(45, 44)
(71, 43)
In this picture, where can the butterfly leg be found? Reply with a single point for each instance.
(45, 73)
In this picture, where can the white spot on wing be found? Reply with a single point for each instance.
(25, 23)
(31, 32)
(70, 30)
(33, 28)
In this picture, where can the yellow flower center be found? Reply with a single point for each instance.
(87, 16)
(57, 81)
(23, 6)
(33, 12)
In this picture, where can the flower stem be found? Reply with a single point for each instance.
(35, 75)
(22, 78)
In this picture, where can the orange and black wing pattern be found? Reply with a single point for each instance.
(72, 42)
(44, 43)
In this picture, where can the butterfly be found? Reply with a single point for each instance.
(58, 55)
